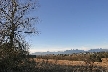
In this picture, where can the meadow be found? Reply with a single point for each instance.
(89, 62)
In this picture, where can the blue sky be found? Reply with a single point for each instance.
(71, 24)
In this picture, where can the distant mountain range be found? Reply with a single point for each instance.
(70, 51)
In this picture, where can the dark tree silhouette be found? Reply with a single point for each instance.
(15, 23)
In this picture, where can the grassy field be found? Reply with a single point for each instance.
(51, 65)
(82, 62)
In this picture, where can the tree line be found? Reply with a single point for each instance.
(91, 57)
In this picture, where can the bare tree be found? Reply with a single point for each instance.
(15, 22)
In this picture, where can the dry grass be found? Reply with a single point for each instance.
(67, 62)
(50, 65)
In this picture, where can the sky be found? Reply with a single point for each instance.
(70, 24)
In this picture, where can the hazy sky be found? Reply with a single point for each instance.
(71, 24)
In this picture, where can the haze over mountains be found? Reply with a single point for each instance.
(70, 51)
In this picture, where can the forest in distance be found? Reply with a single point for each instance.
(16, 23)
(88, 56)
